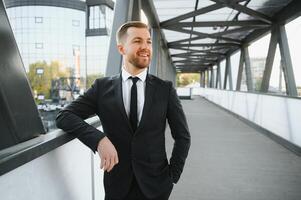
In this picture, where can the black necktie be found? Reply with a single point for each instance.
(133, 107)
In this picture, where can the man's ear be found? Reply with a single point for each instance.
(120, 48)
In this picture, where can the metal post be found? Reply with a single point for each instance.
(229, 71)
(155, 45)
(124, 11)
(201, 78)
(204, 79)
(212, 78)
(288, 71)
(134, 13)
(248, 69)
(219, 78)
(280, 75)
(269, 61)
(208, 78)
(240, 69)
(226, 75)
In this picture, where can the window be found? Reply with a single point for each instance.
(75, 23)
(39, 45)
(97, 17)
(38, 20)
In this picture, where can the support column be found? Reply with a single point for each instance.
(134, 13)
(212, 78)
(240, 70)
(153, 68)
(225, 76)
(125, 10)
(248, 69)
(208, 78)
(229, 72)
(288, 71)
(204, 79)
(269, 61)
(201, 78)
(218, 76)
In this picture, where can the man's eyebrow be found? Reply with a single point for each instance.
(140, 38)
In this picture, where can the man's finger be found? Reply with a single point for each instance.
(107, 164)
(112, 163)
(102, 162)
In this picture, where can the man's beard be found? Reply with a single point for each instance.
(138, 63)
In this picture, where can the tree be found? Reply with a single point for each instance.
(184, 79)
(41, 74)
(91, 78)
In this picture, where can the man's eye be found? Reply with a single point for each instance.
(149, 42)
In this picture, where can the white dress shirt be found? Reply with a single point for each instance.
(126, 91)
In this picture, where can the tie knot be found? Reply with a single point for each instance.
(134, 79)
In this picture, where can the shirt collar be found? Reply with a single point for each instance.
(125, 75)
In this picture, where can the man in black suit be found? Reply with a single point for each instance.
(133, 108)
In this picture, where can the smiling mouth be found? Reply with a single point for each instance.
(144, 55)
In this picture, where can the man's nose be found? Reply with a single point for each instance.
(145, 45)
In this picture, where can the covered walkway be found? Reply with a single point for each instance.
(236, 107)
(231, 160)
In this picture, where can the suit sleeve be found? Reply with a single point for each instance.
(71, 119)
(180, 133)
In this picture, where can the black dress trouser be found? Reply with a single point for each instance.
(135, 193)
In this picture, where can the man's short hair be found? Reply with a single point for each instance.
(122, 31)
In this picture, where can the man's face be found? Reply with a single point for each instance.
(136, 47)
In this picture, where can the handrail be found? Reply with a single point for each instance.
(255, 92)
(15, 156)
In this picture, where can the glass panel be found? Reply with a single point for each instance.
(222, 70)
(243, 86)
(214, 75)
(258, 52)
(277, 84)
(235, 65)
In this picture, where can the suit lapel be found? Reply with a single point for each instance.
(149, 94)
(117, 84)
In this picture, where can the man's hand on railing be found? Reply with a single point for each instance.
(108, 154)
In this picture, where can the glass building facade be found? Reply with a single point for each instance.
(63, 45)
(45, 33)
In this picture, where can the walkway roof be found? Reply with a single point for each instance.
(200, 33)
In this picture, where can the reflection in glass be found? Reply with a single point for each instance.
(60, 61)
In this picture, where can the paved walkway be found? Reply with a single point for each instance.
(229, 160)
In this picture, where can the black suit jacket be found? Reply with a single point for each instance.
(141, 153)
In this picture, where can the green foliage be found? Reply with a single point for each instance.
(41, 83)
(258, 82)
(91, 78)
(184, 79)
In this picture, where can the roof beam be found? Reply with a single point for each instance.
(191, 14)
(237, 30)
(206, 35)
(244, 9)
(203, 45)
(288, 13)
(208, 54)
(196, 61)
(249, 23)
